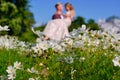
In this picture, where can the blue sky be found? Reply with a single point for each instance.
(95, 9)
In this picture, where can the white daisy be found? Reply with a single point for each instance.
(31, 79)
(17, 65)
(32, 70)
(12, 76)
(116, 61)
(69, 60)
(11, 70)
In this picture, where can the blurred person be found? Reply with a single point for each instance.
(57, 28)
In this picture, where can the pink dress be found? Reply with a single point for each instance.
(58, 28)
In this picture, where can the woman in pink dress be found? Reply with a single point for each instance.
(57, 29)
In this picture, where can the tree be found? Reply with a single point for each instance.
(77, 23)
(79, 20)
(16, 14)
(111, 18)
(92, 25)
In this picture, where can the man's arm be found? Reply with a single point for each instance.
(55, 16)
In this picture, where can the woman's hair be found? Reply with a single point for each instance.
(69, 5)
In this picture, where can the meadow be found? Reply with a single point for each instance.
(84, 55)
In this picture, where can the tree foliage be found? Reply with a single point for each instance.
(16, 14)
(77, 23)
(111, 18)
(91, 24)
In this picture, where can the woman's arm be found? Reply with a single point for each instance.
(70, 14)
(67, 15)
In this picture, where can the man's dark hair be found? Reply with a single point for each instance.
(57, 5)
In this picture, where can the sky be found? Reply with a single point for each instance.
(89, 9)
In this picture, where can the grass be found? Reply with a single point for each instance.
(8, 57)
(97, 65)
(91, 61)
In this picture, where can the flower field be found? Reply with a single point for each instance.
(84, 55)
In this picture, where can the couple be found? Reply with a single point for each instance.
(57, 28)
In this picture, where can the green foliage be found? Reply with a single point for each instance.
(92, 25)
(77, 23)
(41, 28)
(28, 36)
(16, 15)
(8, 13)
(97, 65)
(79, 20)
(8, 57)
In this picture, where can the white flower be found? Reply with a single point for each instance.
(83, 27)
(17, 65)
(38, 33)
(41, 64)
(37, 50)
(43, 45)
(38, 40)
(63, 44)
(32, 70)
(70, 42)
(82, 58)
(11, 70)
(38, 78)
(31, 79)
(3, 77)
(116, 61)
(8, 42)
(72, 73)
(69, 60)
(12, 76)
(5, 28)
(22, 44)
(78, 44)
(58, 48)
